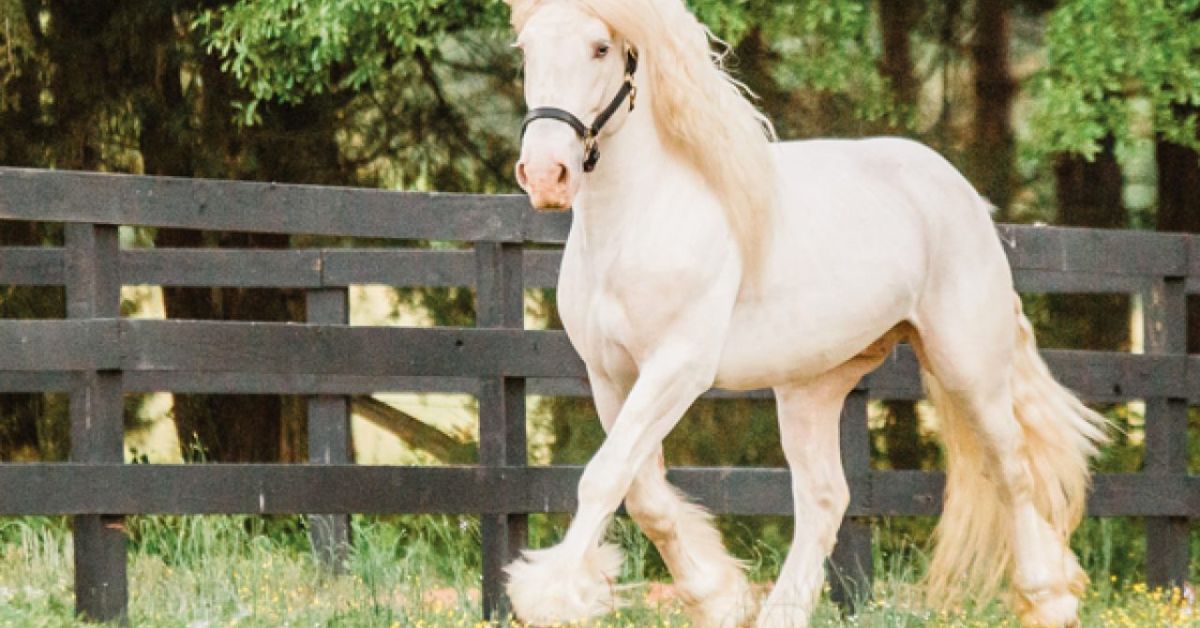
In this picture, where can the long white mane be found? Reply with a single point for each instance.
(702, 112)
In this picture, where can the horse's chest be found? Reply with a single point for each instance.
(615, 318)
(619, 297)
(598, 325)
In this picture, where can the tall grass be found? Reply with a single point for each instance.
(200, 572)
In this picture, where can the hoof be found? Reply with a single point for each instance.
(734, 605)
(786, 609)
(1055, 603)
(1050, 610)
(547, 587)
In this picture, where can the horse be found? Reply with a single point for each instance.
(704, 253)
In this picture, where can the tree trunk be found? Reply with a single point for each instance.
(1089, 195)
(897, 19)
(35, 426)
(993, 146)
(1179, 209)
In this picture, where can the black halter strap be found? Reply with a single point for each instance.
(591, 152)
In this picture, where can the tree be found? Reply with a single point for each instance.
(993, 150)
(1106, 60)
(83, 93)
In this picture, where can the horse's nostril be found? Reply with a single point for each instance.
(562, 174)
(521, 178)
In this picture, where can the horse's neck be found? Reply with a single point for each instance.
(633, 160)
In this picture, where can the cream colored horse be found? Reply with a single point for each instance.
(702, 254)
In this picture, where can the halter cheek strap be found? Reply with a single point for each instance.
(591, 151)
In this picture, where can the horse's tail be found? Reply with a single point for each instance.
(974, 555)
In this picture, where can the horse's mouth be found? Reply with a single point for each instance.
(552, 206)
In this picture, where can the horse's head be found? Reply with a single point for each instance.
(575, 67)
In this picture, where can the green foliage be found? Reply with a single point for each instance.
(1104, 58)
(833, 47)
(285, 50)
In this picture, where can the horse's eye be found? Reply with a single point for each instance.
(601, 51)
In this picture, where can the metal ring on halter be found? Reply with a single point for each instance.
(591, 150)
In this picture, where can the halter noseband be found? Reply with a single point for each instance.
(591, 152)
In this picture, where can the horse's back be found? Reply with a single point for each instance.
(892, 193)
(883, 171)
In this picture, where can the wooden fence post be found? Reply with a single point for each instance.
(500, 302)
(329, 438)
(93, 290)
(1165, 306)
(851, 565)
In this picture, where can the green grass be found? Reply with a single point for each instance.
(205, 572)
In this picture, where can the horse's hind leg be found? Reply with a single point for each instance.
(1016, 474)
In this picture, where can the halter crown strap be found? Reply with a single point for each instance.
(591, 152)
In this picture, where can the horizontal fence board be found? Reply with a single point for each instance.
(58, 489)
(310, 384)
(284, 348)
(398, 267)
(246, 488)
(215, 205)
(61, 196)
(246, 268)
(1034, 281)
(59, 345)
(1194, 257)
(311, 268)
(1096, 375)
(37, 382)
(27, 265)
(1113, 494)
(1114, 376)
(291, 384)
(287, 357)
(292, 268)
(548, 226)
(1106, 251)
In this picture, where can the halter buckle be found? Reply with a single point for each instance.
(591, 151)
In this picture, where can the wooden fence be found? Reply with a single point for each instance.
(97, 356)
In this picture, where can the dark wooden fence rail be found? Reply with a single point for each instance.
(97, 356)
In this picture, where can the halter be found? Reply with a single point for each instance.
(591, 151)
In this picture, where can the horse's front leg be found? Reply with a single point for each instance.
(577, 578)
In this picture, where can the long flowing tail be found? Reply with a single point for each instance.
(973, 554)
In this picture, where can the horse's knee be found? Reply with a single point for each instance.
(602, 480)
(653, 505)
(836, 498)
(826, 503)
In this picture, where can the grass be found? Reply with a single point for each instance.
(205, 572)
